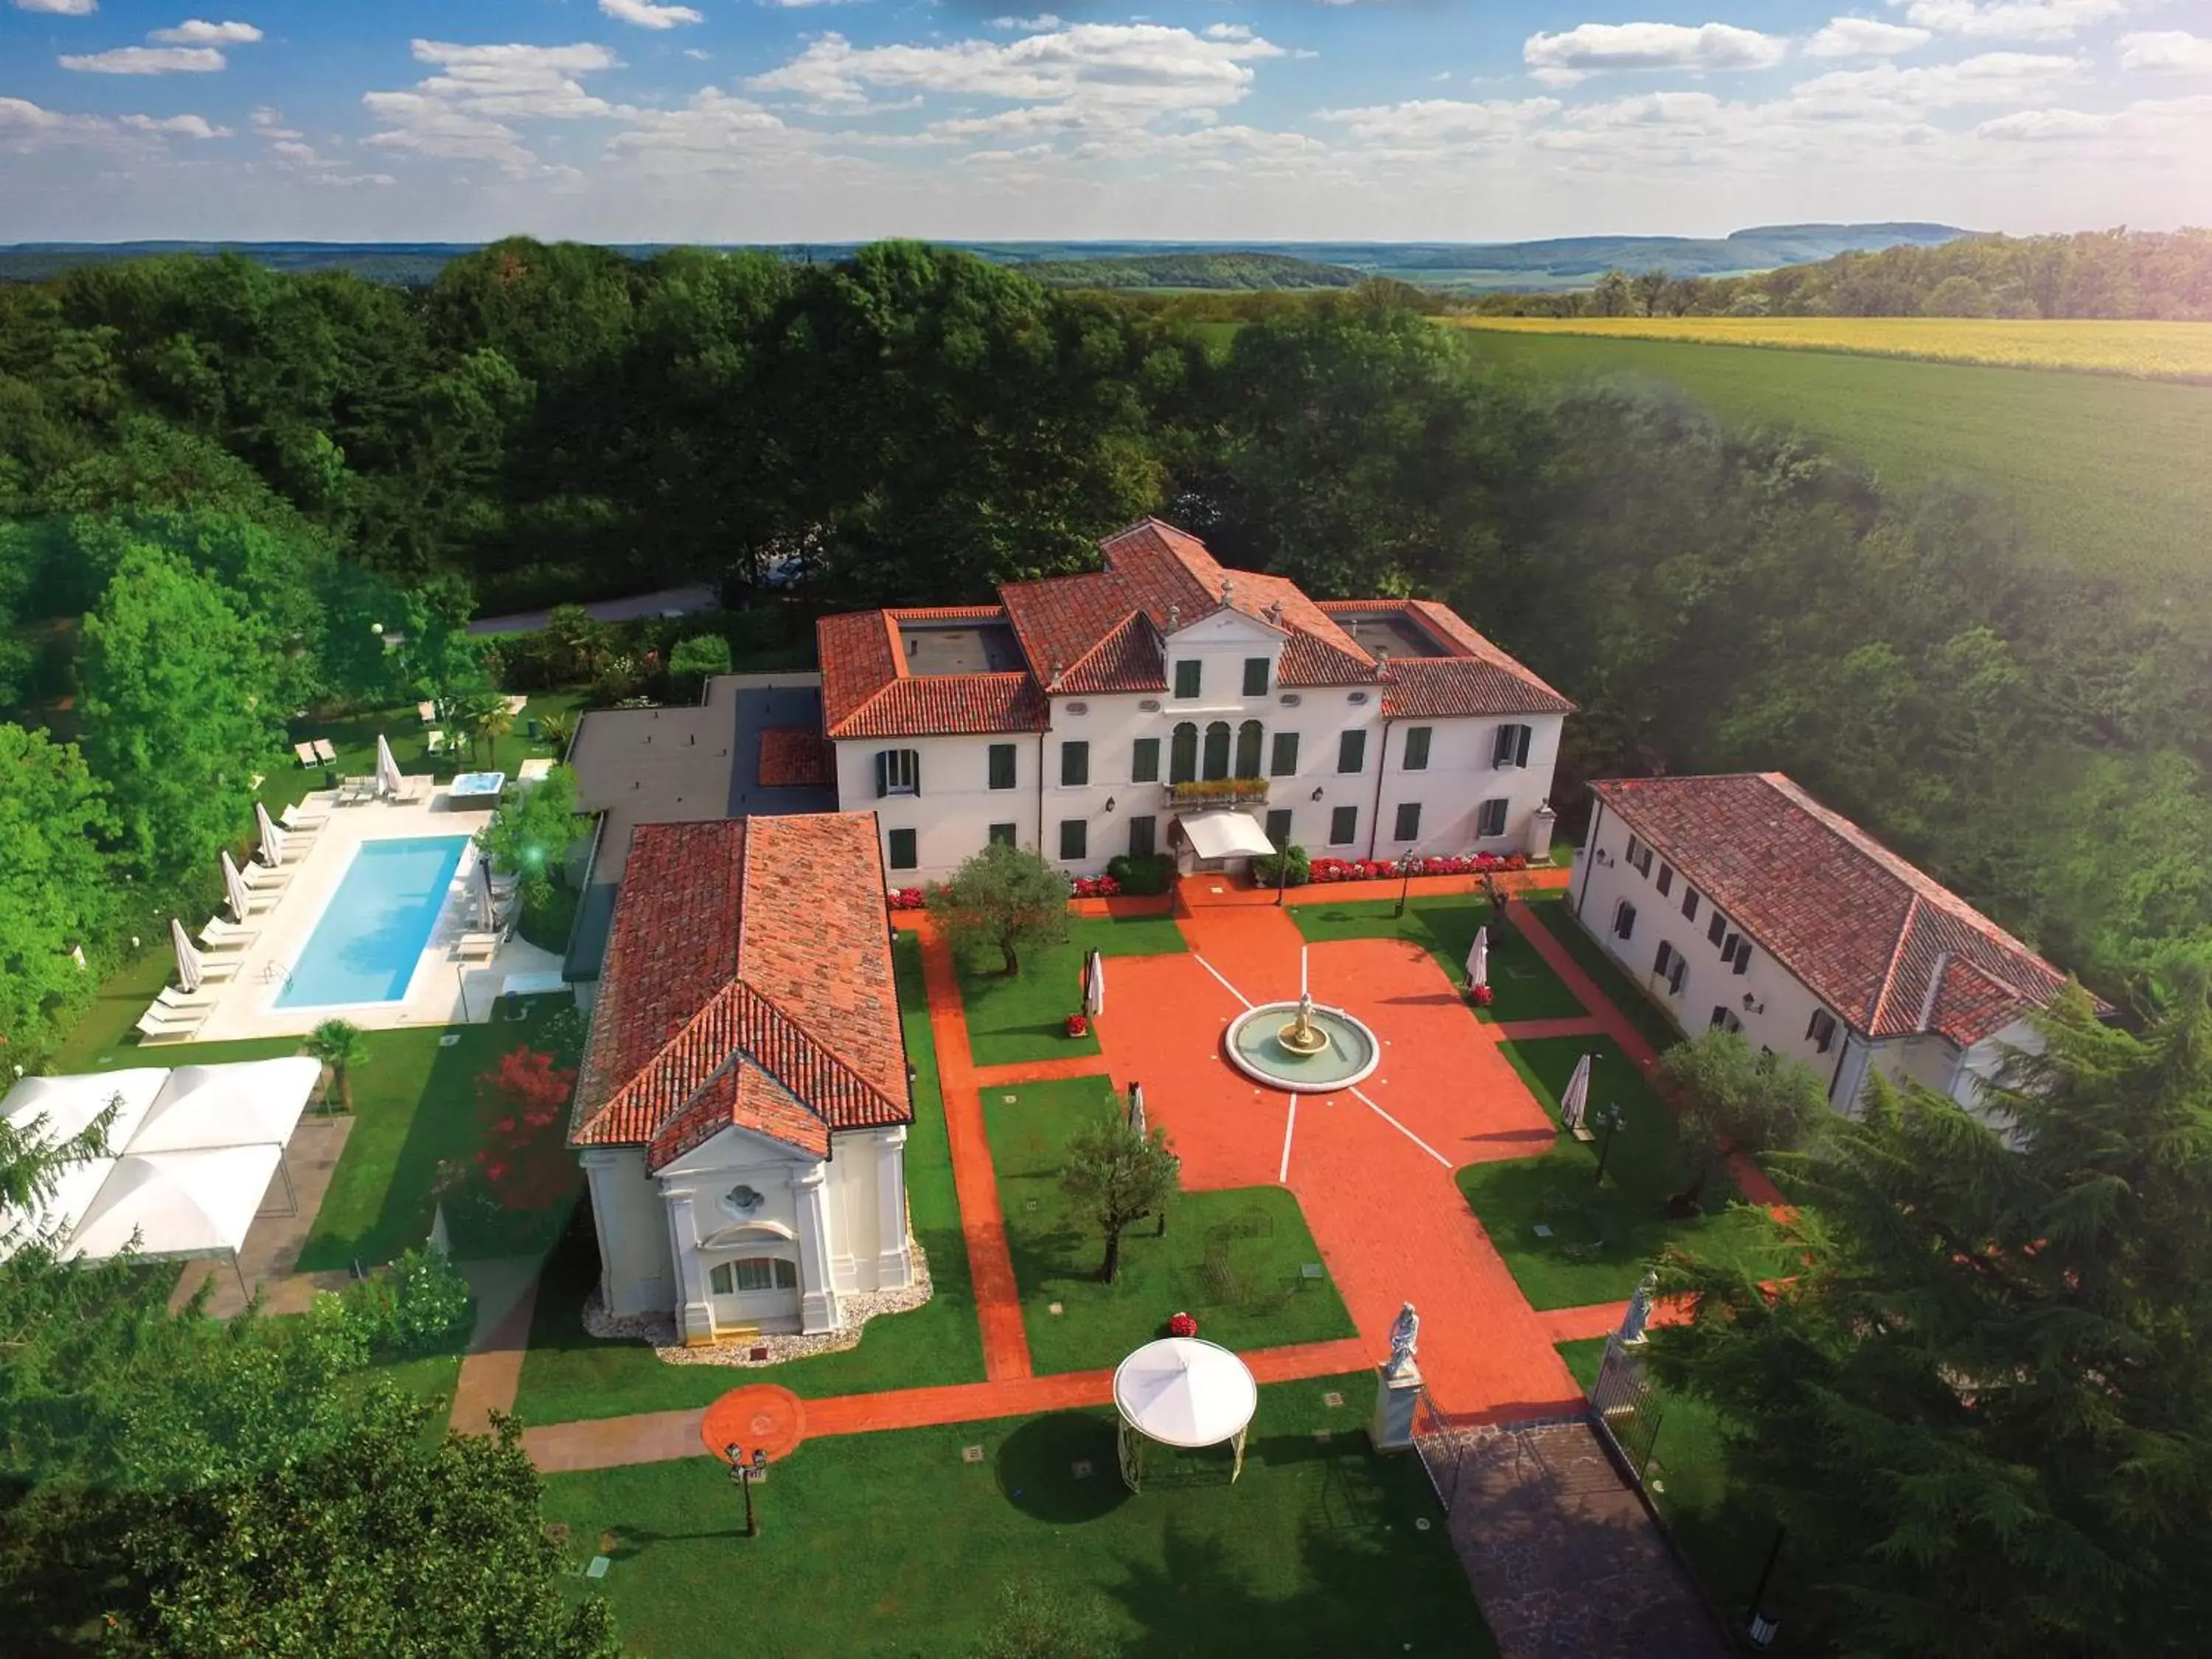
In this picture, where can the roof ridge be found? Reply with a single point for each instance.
(1896, 957)
(1135, 613)
(823, 1050)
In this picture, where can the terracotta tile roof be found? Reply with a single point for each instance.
(747, 982)
(867, 693)
(1100, 632)
(1476, 678)
(794, 758)
(1890, 949)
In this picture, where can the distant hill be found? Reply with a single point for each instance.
(1274, 271)
(1560, 263)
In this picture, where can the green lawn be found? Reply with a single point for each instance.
(567, 1375)
(1724, 1533)
(1025, 1018)
(1444, 926)
(2105, 473)
(1625, 993)
(887, 1546)
(1230, 1258)
(355, 739)
(1602, 1238)
(414, 1107)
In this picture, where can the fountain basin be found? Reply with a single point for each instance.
(1254, 1045)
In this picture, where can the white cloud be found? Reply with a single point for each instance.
(18, 118)
(647, 16)
(2183, 122)
(147, 60)
(1591, 49)
(61, 7)
(1227, 31)
(1993, 77)
(1440, 123)
(797, 5)
(712, 129)
(696, 55)
(1864, 37)
(175, 127)
(1036, 25)
(2012, 20)
(269, 123)
(2167, 51)
(1079, 76)
(461, 113)
(194, 33)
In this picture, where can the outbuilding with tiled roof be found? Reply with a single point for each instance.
(742, 1106)
(1739, 901)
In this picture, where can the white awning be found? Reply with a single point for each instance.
(74, 1187)
(1183, 1392)
(68, 1103)
(245, 1103)
(1225, 834)
(176, 1203)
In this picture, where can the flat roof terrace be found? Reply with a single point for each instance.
(1391, 633)
(960, 647)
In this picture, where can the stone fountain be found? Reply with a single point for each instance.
(1315, 1050)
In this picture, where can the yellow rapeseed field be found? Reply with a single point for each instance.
(2153, 351)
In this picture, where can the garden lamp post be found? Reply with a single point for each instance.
(1764, 1626)
(744, 1473)
(1405, 882)
(1612, 1122)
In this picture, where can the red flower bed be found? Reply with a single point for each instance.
(1181, 1324)
(905, 898)
(1471, 864)
(1078, 1026)
(1095, 887)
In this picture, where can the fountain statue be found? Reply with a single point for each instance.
(1302, 1037)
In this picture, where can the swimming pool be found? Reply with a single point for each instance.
(377, 924)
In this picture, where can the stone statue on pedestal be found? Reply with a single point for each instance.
(1639, 1309)
(1405, 1337)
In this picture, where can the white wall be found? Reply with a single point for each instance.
(954, 811)
(635, 1273)
(1781, 1007)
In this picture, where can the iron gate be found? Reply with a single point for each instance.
(1626, 1406)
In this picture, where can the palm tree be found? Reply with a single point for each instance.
(340, 1046)
(482, 716)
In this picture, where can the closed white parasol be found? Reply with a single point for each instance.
(272, 838)
(191, 970)
(1574, 1102)
(388, 781)
(1477, 959)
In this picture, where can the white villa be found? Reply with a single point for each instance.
(1168, 704)
(742, 1109)
(1742, 901)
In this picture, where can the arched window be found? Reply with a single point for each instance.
(1249, 740)
(753, 1272)
(1182, 753)
(1217, 750)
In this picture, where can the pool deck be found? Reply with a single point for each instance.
(442, 992)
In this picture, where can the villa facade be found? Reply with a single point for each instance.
(1168, 704)
(1742, 901)
(741, 1112)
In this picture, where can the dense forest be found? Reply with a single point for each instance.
(1255, 272)
(2152, 275)
(227, 494)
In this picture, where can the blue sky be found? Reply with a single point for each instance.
(750, 120)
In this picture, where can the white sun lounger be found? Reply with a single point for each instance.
(307, 817)
(305, 751)
(155, 1026)
(220, 933)
(183, 1004)
(324, 753)
(429, 711)
(475, 946)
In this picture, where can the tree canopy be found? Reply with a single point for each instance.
(1981, 1401)
(1003, 898)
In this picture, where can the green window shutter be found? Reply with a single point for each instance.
(1279, 827)
(902, 855)
(1145, 761)
(1186, 677)
(1255, 676)
(1182, 754)
(1075, 764)
(1074, 839)
(1351, 751)
(1285, 760)
(1249, 740)
(1343, 826)
(1002, 766)
(1408, 825)
(1417, 747)
(1217, 750)
(1001, 834)
(1144, 832)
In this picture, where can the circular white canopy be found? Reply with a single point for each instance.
(1183, 1392)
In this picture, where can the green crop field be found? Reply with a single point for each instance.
(2107, 474)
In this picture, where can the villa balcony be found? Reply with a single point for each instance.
(1207, 794)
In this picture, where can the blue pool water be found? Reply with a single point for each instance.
(377, 924)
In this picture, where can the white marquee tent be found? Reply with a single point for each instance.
(1181, 1392)
(176, 1205)
(194, 1151)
